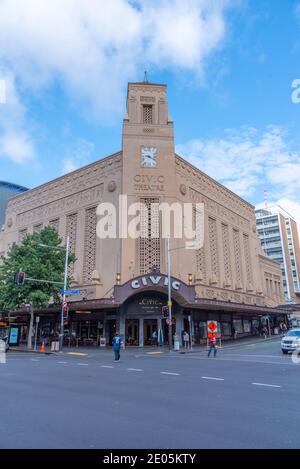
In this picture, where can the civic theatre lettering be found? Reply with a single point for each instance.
(151, 280)
(148, 182)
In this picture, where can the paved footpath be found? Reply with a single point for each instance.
(246, 397)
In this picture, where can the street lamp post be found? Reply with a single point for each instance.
(61, 335)
(169, 293)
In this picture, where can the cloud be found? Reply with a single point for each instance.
(92, 48)
(77, 155)
(15, 137)
(245, 159)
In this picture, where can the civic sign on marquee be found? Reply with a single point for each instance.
(212, 329)
(151, 280)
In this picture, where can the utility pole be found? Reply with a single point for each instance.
(61, 335)
(169, 292)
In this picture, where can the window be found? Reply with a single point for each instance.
(147, 114)
(238, 325)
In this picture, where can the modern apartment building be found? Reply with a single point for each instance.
(279, 240)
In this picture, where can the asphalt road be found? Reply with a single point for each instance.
(246, 397)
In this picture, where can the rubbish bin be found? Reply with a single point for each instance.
(2, 346)
(102, 342)
(55, 346)
(176, 343)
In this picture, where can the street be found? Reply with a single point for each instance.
(246, 397)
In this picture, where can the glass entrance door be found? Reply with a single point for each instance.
(132, 331)
(150, 325)
(110, 330)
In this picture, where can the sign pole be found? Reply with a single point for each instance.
(169, 294)
(61, 335)
(37, 319)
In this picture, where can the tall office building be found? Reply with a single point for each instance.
(279, 239)
(7, 190)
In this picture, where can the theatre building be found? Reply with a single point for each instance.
(122, 280)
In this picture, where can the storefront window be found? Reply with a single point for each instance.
(247, 325)
(226, 329)
(238, 325)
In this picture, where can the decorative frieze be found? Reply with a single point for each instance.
(89, 262)
(214, 254)
(226, 255)
(67, 186)
(149, 248)
(230, 296)
(219, 210)
(213, 190)
(58, 207)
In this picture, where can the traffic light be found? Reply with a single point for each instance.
(165, 311)
(66, 310)
(19, 278)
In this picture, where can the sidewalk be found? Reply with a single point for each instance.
(149, 349)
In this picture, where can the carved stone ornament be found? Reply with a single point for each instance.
(182, 189)
(9, 222)
(112, 185)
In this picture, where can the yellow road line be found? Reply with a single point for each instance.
(77, 354)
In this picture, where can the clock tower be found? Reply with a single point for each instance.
(148, 167)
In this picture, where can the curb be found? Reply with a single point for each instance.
(28, 351)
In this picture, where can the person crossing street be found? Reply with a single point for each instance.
(117, 345)
(212, 346)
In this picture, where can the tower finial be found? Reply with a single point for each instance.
(146, 77)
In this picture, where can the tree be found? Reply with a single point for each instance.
(38, 262)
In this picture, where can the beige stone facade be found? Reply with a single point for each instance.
(229, 274)
(230, 266)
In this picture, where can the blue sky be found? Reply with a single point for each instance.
(229, 66)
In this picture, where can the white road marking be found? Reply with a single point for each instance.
(212, 378)
(258, 356)
(62, 363)
(35, 359)
(169, 373)
(106, 366)
(267, 385)
(82, 364)
(134, 369)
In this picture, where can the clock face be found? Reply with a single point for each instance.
(149, 157)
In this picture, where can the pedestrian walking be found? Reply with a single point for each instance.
(212, 346)
(265, 332)
(117, 345)
(154, 338)
(186, 339)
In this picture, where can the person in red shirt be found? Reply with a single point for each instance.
(212, 345)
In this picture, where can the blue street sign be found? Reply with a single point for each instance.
(69, 292)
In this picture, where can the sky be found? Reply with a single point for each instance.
(231, 67)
